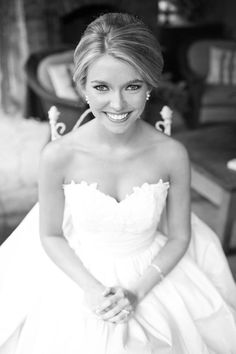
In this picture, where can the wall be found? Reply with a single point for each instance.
(230, 17)
(42, 17)
(225, 12)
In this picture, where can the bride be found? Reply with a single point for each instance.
(91, 270)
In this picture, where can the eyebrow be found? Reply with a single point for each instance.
(127, 83)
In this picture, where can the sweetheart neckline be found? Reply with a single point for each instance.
(94, 185)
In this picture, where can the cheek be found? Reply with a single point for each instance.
(138, 101)
(135, 98)
(97, 101)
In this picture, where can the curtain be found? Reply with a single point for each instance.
(26, 26)
(13, 52)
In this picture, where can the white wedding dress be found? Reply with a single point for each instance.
(42, 310)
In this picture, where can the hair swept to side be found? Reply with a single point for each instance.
(124, 37)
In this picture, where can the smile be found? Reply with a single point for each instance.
(118, 117)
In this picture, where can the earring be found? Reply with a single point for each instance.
(148, 94)
(86, 99)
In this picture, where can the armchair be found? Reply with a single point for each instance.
(48, 87)
(209, 68)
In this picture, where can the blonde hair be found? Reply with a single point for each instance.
(124, 37)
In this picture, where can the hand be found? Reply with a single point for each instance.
(94, 298)
(118, 306)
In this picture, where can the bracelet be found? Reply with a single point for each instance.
(159, 270)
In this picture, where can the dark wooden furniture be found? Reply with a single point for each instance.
(210, 148)
(208, 102)
(173, 37)
(39, 99)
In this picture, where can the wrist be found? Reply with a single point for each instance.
(158, 270)
(95, 287)
(139, 289)
(147, 281)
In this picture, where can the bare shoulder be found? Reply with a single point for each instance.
(167, 150)
(56, 151)
(161, 141)
(177, 160)
(175, 150)
(56, 156)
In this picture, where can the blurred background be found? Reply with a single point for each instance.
(198, 41)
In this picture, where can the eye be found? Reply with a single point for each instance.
(133, 87)
(101, 88)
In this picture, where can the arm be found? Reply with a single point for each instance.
(53, 163)
(178, 221)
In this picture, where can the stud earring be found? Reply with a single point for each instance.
(86, 99)
(148, 94)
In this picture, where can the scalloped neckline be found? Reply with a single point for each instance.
(95, 187)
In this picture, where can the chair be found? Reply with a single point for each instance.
(41, 93)
(209, 68)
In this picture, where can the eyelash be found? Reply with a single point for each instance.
(101, 87)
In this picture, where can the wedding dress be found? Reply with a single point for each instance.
(42, 311)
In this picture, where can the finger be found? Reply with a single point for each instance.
(117, 306)
(110, 313)
(122, 305)
(107, 291)
(120, 292)
(121, 317)
(110, 302)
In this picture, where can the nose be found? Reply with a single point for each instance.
(117, 101)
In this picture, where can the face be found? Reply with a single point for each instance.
(116, 93)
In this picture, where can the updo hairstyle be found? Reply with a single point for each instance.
(124, 37)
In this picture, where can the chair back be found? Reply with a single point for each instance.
(40, 98)
(198, 54)
(64, 58)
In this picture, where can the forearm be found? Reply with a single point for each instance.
(58, 249)
(166, 260)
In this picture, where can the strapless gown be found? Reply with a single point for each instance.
(42, 311)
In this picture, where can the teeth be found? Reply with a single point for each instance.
(117, 116)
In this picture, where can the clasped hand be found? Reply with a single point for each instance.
(116, 305)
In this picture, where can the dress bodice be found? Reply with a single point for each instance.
(96, 220)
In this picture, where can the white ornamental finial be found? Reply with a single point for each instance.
(57, 129)
(165, 125)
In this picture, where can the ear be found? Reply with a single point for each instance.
(87, 99)
(83, 93)
(148, 94)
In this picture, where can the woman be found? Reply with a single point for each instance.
(103, 278)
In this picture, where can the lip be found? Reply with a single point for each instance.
(122, 120)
